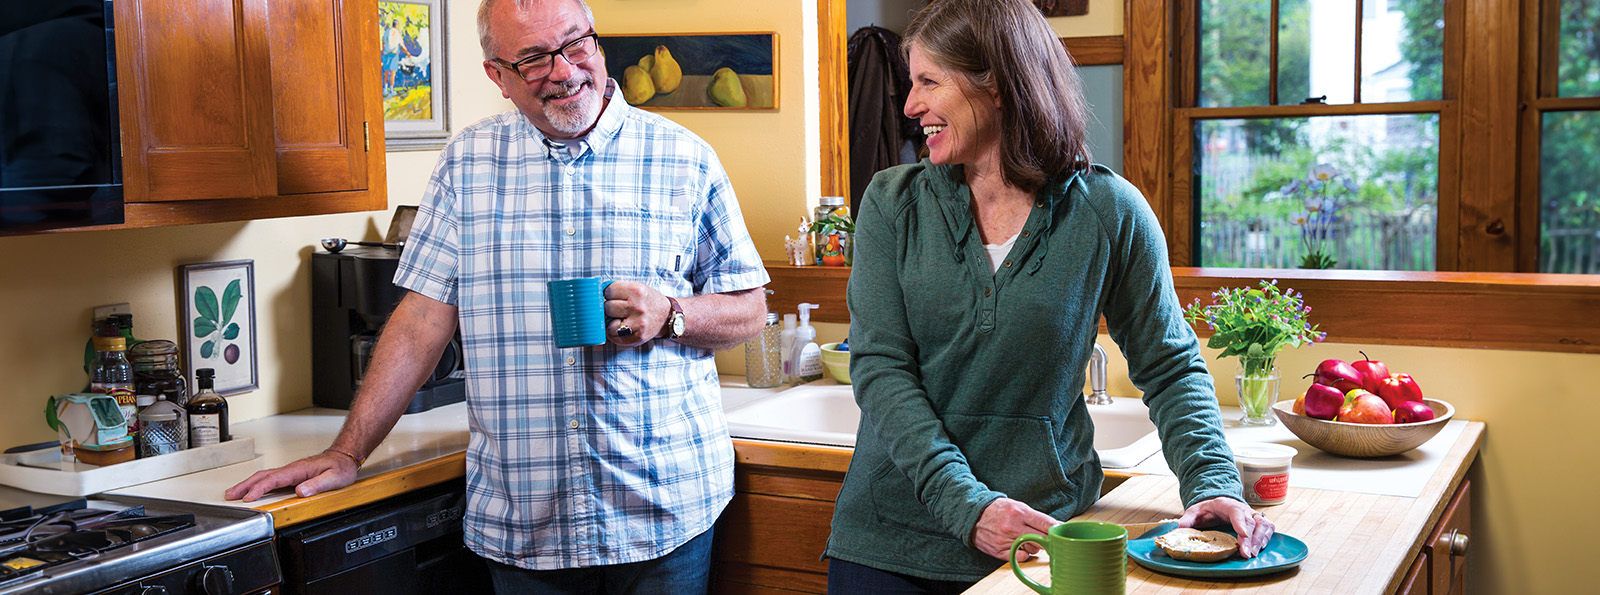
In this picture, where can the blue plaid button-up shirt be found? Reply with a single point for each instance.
(593, 455)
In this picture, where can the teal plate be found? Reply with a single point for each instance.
(1282, 553)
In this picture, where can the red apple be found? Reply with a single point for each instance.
(1366, 408)
(1323, 401)
(1372, 372)
(1399, 389)
(1338, 374)
(1412, 412)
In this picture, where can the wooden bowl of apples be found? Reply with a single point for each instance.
(1363, 440)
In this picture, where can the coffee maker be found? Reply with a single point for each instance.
(352, 295)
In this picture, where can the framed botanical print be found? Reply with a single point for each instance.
(219, 323)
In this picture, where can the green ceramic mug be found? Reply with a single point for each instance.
(1086, 558)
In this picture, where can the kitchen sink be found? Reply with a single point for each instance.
(827, 414)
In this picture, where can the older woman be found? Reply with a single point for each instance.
(980, 276)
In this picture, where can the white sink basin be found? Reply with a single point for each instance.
(827, 414)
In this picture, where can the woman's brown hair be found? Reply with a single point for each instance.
(1007, 46)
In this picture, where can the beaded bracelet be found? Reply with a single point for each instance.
(358, 460)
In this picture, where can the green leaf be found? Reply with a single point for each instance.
(230, 300)
(232, 332)
(207, 348)
(50, 414)
(203, 326)
(205, 302)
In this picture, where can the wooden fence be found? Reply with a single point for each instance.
(1357, 241)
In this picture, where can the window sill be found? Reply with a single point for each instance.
(1521, 311)
(1518, 311)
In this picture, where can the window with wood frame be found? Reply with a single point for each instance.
(1561, 134)
(1372, 134)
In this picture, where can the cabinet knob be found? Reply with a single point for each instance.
(1455, 542)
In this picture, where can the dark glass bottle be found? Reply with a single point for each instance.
(124, 324)
(208, 412)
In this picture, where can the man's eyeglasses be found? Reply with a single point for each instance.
(538, 66)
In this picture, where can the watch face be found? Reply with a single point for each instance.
(677, 324)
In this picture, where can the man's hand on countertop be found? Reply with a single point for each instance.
(311, 476)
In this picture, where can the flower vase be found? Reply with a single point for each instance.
(1257, 380)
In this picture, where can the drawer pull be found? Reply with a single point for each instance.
(1456, 542)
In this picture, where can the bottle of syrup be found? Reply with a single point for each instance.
(208, 412)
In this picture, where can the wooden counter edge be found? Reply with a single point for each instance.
(366, 491)
(789, 455)
(1438, 490)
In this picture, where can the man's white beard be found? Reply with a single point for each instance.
(577, 117)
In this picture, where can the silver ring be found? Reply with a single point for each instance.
(624, 331)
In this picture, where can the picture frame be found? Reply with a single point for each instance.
(414, 77)
(219, 324)
(752, 58)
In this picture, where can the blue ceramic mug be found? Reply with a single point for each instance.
(578, 312)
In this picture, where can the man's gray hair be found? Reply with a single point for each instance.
(486, 40)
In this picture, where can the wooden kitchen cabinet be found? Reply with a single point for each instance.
(1441, 566)
(771, 537)
(247, 109)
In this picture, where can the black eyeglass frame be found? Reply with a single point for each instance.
(517, 66)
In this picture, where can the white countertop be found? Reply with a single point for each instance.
(422, 437)
(284, 438)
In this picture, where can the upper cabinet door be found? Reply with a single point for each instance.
(196, 99)
(317, 99)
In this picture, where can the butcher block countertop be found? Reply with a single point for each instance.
(1359, 543)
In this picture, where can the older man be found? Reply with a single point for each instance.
(591, 469)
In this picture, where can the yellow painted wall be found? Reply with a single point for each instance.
(1531, 483)
(1104, 18)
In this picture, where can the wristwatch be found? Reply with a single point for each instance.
(675, 320)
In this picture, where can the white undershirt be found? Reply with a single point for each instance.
(998, 252)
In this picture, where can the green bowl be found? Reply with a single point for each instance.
(837, 362)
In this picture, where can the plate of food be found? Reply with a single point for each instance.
(1212, 553)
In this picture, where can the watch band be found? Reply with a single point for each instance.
(675, 319)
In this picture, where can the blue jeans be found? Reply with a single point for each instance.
(849, 578)
(683, 571)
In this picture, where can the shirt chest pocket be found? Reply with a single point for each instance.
(647, 236)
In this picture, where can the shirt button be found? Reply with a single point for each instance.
(571, 360)
(1024, 233)
(1039, 204)
(1008, 264)
(571, 230)
(986, 292)
(573, 424)
(571, 170)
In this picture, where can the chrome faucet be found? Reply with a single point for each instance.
(1097, 378)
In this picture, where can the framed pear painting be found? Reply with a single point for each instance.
(695, 71)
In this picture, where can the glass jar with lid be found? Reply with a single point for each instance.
(156, 371)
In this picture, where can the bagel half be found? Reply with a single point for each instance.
(1198, 546)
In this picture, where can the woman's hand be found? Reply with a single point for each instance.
(1252, 527)
(1002, 521)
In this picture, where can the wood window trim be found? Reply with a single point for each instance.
(1513, 311)
(1522, 311)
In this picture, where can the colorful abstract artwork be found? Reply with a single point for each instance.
(719, 71)
(413, 82)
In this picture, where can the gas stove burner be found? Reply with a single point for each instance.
(123, 544)
(68, 536)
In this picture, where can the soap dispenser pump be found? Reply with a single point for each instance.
(807, 355)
